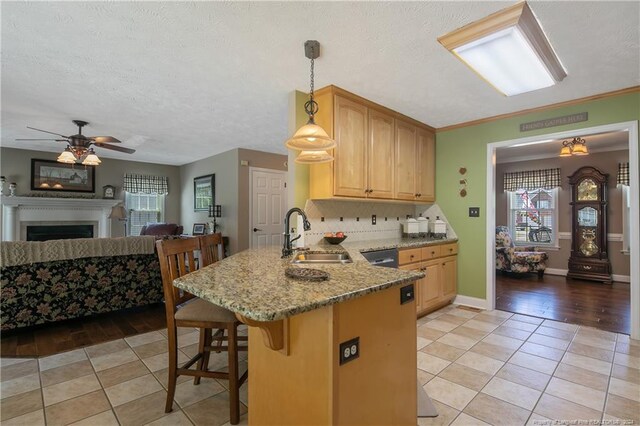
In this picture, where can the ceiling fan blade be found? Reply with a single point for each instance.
(104, 139)
(115, 148)
(46, 131)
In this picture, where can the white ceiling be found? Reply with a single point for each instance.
(182, 81)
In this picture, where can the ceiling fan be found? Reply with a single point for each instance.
(79, 147)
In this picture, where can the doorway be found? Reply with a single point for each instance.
(632, 130)
(267, 204)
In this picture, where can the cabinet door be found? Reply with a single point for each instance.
(449, 276)
(431, 284)
(350, 154)
(380, 155)
(417, 285)
(425, 173)
(406, 153)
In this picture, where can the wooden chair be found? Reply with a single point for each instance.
(185, 310)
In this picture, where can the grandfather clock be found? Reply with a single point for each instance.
(589, 259)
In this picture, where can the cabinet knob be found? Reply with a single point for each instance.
(433, 252)
(419, 195)
(412, 256)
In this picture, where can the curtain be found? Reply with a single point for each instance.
(146, 184)
(623, 174)
(532, 179)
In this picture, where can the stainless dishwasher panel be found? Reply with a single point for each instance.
(385, 258)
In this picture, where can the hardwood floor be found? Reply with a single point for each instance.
(603, 306)
(48, 339)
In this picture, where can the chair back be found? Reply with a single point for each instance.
(176, 259)
(503, 237)
(211, 246)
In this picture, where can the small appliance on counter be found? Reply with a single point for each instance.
(410, 228)
(438, 228)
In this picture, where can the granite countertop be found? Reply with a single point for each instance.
(252, 283)
(392, 243)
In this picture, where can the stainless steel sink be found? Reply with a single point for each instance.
(322, 258)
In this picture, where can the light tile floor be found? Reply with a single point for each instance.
(478, 368)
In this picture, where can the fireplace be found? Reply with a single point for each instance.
(20, 213)
(58, 232)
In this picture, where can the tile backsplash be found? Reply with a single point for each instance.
(356, 219)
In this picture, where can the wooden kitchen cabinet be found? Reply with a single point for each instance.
(380, 153)
(439, 263)
(415, 163)
(351, 124)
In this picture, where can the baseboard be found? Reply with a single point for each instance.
(621, 278)
(474, 302)
(563, 273)
(554, 271)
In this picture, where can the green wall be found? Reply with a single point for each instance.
(466, 147)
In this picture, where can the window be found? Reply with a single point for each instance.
(533, 217)
(143, 209)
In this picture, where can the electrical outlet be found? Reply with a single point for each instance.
(474, 211)
(373, 219)
(406, 294)
(349, 350)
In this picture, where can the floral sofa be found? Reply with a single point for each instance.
(57, 280)
(517, 259)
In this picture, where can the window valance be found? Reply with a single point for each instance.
(145, 184)
(532, 179)
(623, 174)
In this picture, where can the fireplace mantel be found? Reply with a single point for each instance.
(19, 210)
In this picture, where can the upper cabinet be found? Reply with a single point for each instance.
(381, 154)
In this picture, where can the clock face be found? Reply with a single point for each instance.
(587, 190)
(108, 193)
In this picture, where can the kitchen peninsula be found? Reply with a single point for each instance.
(299, 332)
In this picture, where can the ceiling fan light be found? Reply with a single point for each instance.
(311, 137)
(91, 159)
(314, 157)
(67, 157)
(565, 151)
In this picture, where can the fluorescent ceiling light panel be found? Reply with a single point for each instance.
(509, 50)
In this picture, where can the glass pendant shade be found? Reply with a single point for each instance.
(580, 149)
(311, 137)
(314, 157)
(67, 157)
(565, 151)
(91, 160)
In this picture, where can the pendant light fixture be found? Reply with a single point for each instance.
(311, 139)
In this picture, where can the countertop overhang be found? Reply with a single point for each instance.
(252, 283)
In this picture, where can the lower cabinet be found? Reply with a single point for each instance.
(439, 286)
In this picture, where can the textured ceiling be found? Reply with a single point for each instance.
(182, 81)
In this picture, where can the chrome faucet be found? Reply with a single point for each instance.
(286, 249)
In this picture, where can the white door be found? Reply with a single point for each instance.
(268, 207)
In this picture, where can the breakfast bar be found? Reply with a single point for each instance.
(338, 351)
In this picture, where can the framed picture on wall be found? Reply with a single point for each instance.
(47, 175)
(199, 229)
(203, 192)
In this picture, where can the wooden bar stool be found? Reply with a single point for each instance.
(185, 310)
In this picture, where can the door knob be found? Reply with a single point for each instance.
(256, 229)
